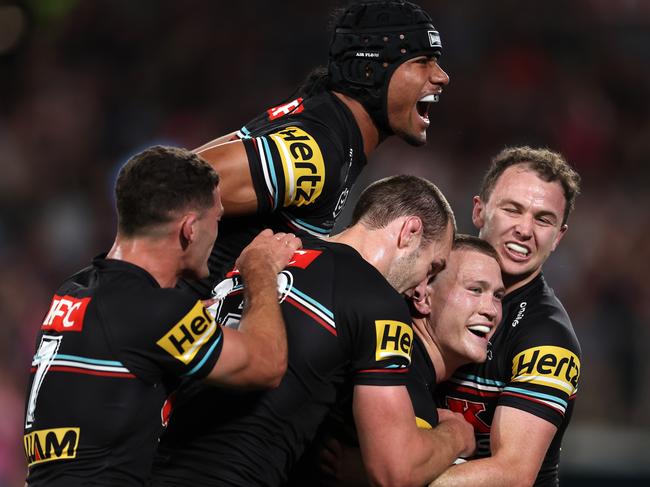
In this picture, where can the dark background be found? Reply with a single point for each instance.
(86, 84)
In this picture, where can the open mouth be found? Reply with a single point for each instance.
(480, 331)
(424, 103)
(518, 249)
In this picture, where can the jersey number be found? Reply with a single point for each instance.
(44, 357)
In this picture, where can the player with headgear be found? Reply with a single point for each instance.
(292, 167)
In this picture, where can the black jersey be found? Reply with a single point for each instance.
(420, 384)
(533, 365)
(345, 324)
(304, 157)
(110, 350)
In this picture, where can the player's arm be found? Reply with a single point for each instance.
(230, 160)
(218, 141)
(256, 353)
(513, 431)
(395, 451)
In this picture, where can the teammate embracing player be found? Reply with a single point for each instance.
(521, 399)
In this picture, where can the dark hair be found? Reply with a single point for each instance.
(549, 165)
(159, 181)
(396, 196)
(463, 241)
(317, 81)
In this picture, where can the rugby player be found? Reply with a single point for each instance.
(453, 317)
(521, 399)
(118, 337)
(348, 326)
(292, 167)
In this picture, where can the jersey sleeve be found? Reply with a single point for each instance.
(380, 337)
(545, 363)
(288, 168)
(171, 335)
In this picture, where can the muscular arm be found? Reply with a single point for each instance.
(256, 353)
(395, 451)
(513, 432)
(229, 159)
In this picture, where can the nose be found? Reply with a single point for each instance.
(524, 227)
(438, 76)
(490, 308)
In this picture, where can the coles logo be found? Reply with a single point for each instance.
(66, 314)
(294, 107)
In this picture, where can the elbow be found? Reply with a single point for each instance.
(271, 373)
(276, 373)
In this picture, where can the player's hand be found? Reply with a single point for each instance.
(268, 249)
(465, 431)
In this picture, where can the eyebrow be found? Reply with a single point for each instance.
(537, 213)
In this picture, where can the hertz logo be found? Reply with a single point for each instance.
(303, 166)
(53, 444)
(187, 336)
(394, 339)
(549, 366)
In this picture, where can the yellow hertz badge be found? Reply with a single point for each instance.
(187, 336)
(394, 339)
(303, 166)
(548, 366)
(53, 444)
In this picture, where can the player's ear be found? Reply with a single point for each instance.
(411, 232)
(478, 209)
(420, 300)
(187, 229)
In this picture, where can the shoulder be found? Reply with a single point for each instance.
(539, 318)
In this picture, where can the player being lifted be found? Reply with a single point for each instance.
(291, 168)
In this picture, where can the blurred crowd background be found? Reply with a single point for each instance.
(86, 84)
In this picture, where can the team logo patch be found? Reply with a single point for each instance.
(548, 366)
(53, 444)
(66, 314)
(303, 166)
(303, 258)
(187, 336)
(394, 339)
(294, 107)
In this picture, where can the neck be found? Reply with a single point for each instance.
(514, 282)
(369, 131)
(151, 254)
(375, 246)
(444, 364)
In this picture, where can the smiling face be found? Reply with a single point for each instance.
(465, 305)
(414, 85)
(522, 219)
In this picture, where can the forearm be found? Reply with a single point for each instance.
(485, 472)
(263, 326)
(395, 451)
(434, 451)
